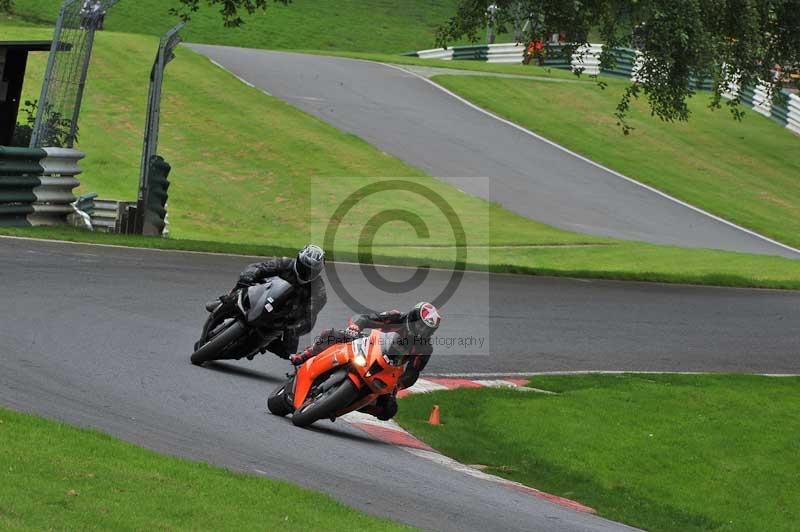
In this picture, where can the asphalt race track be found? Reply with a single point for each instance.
(100, 337)
(409, 118)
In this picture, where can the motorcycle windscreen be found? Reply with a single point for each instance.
(266, 299)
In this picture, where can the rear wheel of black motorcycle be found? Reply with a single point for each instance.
(278, 402)
(325, 405)
(213, 349)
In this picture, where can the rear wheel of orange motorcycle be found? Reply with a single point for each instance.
(325, 404)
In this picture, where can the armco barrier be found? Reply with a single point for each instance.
(587, 59)
(436, 53)
(793, 113)
(107, 213)
(36, 185)
(85, 203)
(505, 53)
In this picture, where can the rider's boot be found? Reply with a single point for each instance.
(384, 408)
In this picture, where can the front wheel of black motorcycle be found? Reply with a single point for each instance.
(214, 348)
(325, 405)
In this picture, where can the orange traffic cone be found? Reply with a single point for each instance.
(434, 419)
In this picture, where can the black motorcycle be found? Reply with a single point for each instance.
(245, 326)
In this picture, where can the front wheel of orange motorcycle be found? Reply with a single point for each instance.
(278, 402)
(325, 404)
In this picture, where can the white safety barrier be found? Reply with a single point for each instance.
(793, 118)
(505, 53)
(107, 214)
(627, 63)
(762, 103)
(586, 59)
(436, 53)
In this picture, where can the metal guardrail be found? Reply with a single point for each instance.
(587, 59)
(85, 203)
(793, 113)
(110, 215)
(107, 214)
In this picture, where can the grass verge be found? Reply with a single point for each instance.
(746, 172)
(389, 26)
(57, 476)
(268, 181)
(661, 452)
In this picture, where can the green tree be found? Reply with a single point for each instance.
(729, 41)
(6, 6)
(229, 9)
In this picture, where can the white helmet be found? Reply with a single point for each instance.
(309, 263)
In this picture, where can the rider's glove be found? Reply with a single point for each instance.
(353, 328)
(299, 358)
(246, 280)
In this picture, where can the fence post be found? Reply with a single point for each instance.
(165, 54)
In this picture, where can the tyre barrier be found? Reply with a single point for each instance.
(36, 185)
(154, 217)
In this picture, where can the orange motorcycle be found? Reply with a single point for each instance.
(341, 379)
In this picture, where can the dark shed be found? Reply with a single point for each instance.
(13, 59)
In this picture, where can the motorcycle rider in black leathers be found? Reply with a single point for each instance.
(410, 335)
(307, 300)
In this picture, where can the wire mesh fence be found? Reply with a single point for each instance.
(165, 54)
(59, 104)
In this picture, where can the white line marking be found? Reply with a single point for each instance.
(260, 472)
(455, 466)
(345, 263)
(496, 383)
(424, 386)
(367, 419)
(401, 267)
(358, 418)
(500, 383)
(306, 98)
(593, 163)
(232, 74)
(481, 376)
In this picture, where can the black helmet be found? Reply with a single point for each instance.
(423, 320)
(309, 263)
